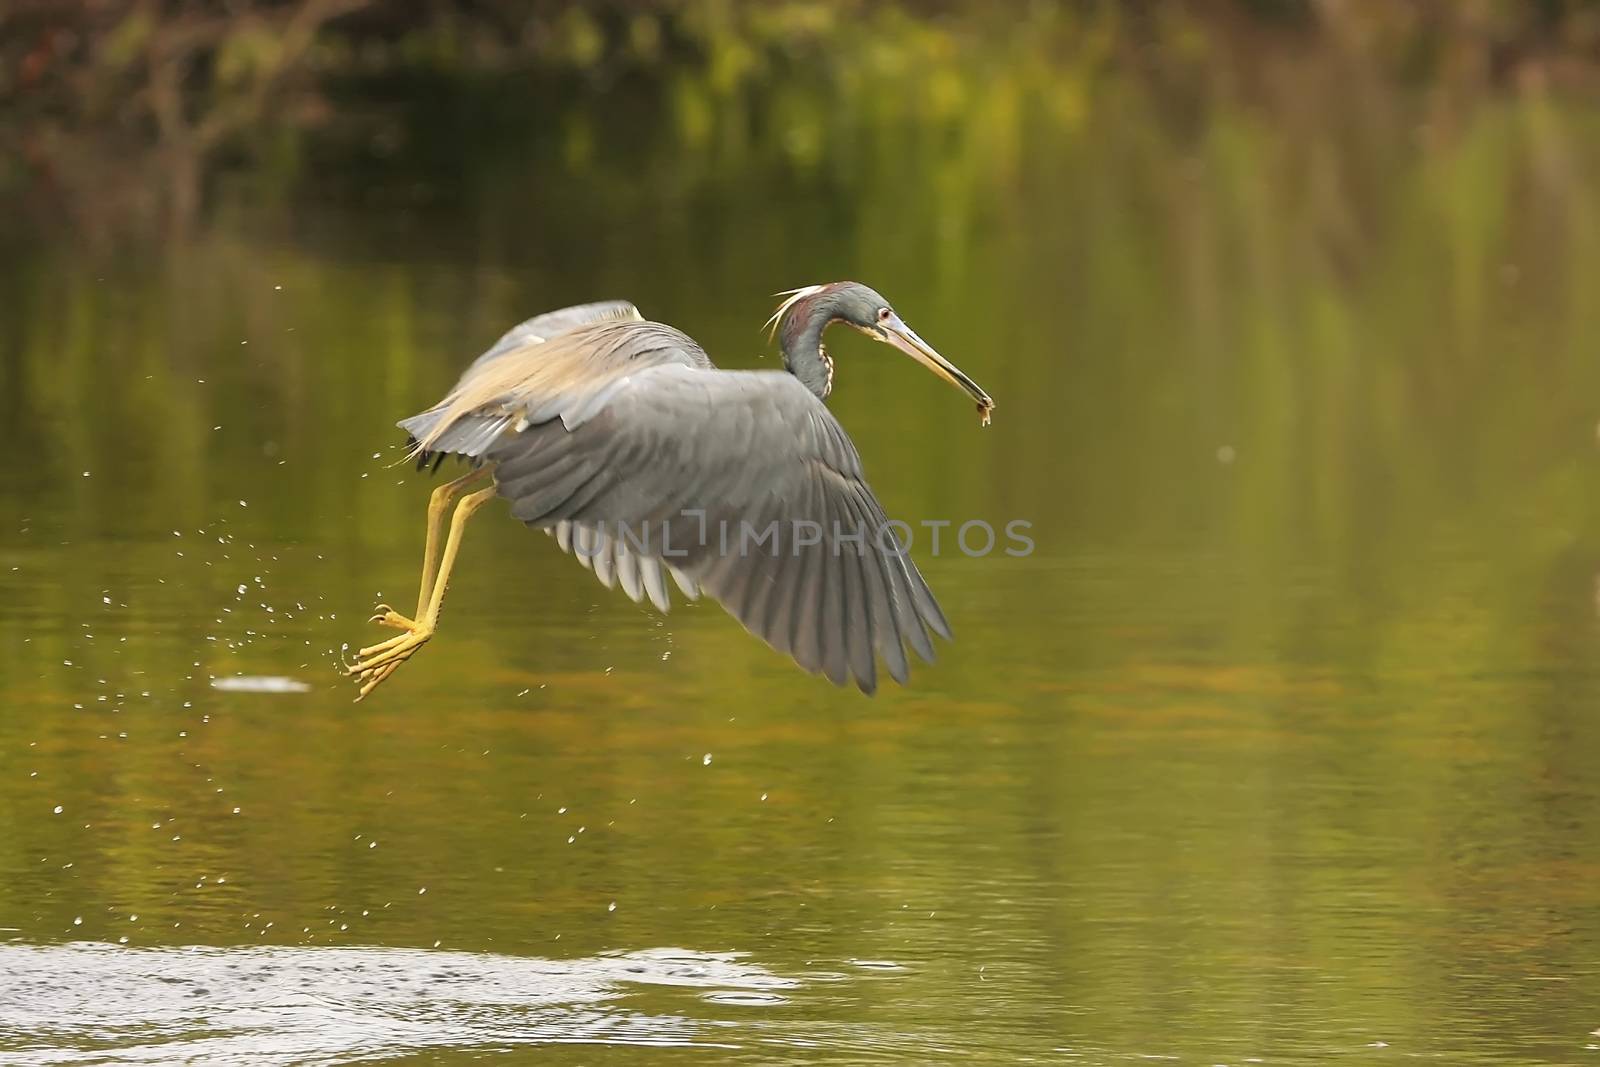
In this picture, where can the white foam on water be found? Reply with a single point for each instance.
(242, 683)
(98, 1003)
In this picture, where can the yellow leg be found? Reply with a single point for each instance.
(377, 662)
(438, 504)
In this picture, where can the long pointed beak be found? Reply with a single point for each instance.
(894, 331)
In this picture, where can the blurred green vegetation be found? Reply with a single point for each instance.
(123, 115)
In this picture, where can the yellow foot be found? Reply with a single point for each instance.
(384, 615)
(376, 662)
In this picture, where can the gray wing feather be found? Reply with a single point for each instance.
(880, 586)
(571, 376)
(628, 573)
(655, 582)
(652, 571)
(686, 585)
(674, 446)
(542, 328)
(470, 436)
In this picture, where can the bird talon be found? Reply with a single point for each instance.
(378, 662)
(384, 615)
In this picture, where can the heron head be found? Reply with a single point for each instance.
(867, 310)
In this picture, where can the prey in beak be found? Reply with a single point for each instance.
(891, 329)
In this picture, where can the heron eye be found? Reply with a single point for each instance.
(883, 314)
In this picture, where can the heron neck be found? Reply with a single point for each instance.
(806, 357)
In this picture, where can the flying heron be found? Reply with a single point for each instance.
(622, 439)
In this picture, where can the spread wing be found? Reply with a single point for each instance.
(744, 484)
(644, 460)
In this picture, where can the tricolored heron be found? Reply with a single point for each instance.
(622, 439)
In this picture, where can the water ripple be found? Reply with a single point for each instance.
(82, 1003)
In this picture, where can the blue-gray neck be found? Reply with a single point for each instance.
(800, 340)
